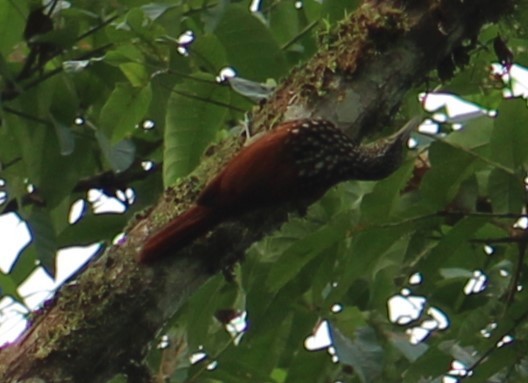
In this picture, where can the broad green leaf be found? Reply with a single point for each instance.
(43, 238)
(378, 206)
(301, 252)
(123, 54)
(124, 109)
(60, 215)
(195, 112)
(469, 324)
(241, 364)
(308, 366)
(449, 168)
(25, 264)
(500, 361)
(92, 228)
(9, 287)
(431, 365)
(363, 352)
(251, 49)
(510, 135)
(155, 10)
(12, 24)
(10, 150)
(171, 19)
(120, 156)
(383, 272)
(411, 351)
(468, 83)
(65, 137)
(214, 295)
(138, 76)
(361, 259)
(31, 139)
(135, 19)
(349, 320)
(507, 192)
(449, 243)
(285, 22)
(208, 52)
(475, 134)
(61, 164)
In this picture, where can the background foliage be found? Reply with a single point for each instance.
(118, 90)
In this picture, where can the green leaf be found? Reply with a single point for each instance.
(92, 228)
(43, 237)
(65, 137)
(31, 140)
(47, 169)
(361, 259)
(208, 52)
(308, 366)
(475, 134)
(135, 19)
(432, 364)
(349, 320)
(11, 24)
(123, 110)
(507, 192)
(363, 352)
(214, 295)
(378, 205)
(510, 136)
(500, 360)
(155, 10)
(251, 49)
(120, 156)
(25, 263)
(284, 22)
(302, 251)
(9, 287)
(195, 112)
(123, 54)
(411, 351)
(451, 241)
(449, 168)
(138, 76)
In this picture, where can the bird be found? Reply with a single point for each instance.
(297, 160)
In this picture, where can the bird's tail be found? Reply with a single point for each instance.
(178, 233)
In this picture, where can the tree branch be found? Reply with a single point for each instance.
(95, 327)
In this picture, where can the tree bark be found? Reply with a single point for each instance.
(101, 324)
